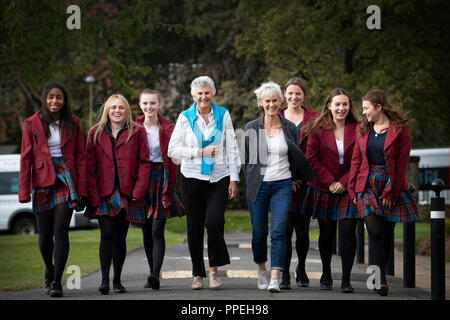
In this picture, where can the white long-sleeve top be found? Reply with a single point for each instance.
(183, 147)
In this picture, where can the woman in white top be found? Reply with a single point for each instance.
(274, 164)
(205, 143)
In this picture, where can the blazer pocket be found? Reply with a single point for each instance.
(38, 164)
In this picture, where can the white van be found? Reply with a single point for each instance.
(434, 163)
(17, 217)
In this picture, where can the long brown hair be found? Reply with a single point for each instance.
(377, 97)
(67, 122)
(325, 120)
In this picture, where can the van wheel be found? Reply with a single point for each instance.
(24, 226)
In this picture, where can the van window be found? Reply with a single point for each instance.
(9, 182)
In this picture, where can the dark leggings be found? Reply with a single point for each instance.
(299, 223)
(348, 241)
(381, 234)
(54, 222)
(113, 245)
(326, 241)
(154, 244)
(326, 236)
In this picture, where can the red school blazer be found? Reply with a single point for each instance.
(132, 163)
(36, 166)
(308, 116)
(323, 155)
(396, 156)
(165, 133)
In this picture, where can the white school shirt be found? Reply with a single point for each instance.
(54, 140)
(153, 144)
(340, 148)
(183, 147)
(277, 159)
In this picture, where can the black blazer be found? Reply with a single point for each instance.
(255, 155)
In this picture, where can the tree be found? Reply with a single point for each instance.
(329, 44)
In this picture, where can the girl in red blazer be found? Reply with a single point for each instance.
(161, 200)
(377, 181)
(118, 170)
(329, 150)
(52, 168)
(296, 112)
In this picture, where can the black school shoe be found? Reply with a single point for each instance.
(326, 283)
(47, 286)
(56, 290)
(301, 278)
(153, 282)
(119, 288)
(285, 281)
(346, 287)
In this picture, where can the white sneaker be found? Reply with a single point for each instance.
(263, 280)
(274, 286)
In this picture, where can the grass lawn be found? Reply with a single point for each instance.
(21, 265)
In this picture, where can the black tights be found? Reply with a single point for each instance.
(113, 246)
(299, 223)
(327, 235)
(54, 222)
(381, 234)
(326, 241)
(348, 241)
(154, 244)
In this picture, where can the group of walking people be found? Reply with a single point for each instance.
(297, 164)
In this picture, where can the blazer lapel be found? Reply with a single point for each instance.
(38, 131)
(349, 138)
(329, 140)
(391, 135)
(105, 143)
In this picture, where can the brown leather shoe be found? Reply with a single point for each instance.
(383, 290)
(214, 282)
(197, 284)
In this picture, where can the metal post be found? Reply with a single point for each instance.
(90, 105)
(334, 242)
(339, 223)
(409, 251)
(390, 263)
(360, 241)
(437, 242)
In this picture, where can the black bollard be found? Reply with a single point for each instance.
(409, 251)
(390, 265)
(360, 243)
(437, 242)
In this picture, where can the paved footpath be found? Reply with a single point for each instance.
(239, 279)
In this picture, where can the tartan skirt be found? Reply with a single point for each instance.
(112, 205)
(62, 191)
(153, 200)
(370, 201)
(327, 205)
(297, 199)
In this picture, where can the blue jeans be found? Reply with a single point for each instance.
(276, 196)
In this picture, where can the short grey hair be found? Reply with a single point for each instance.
(203, 81)
(268, 89)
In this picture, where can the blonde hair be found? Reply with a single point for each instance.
(104, 119)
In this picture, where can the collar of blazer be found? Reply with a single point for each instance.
(163, 134)
(328, 138)
(392, 134)
(39, 132)
(105, 140)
